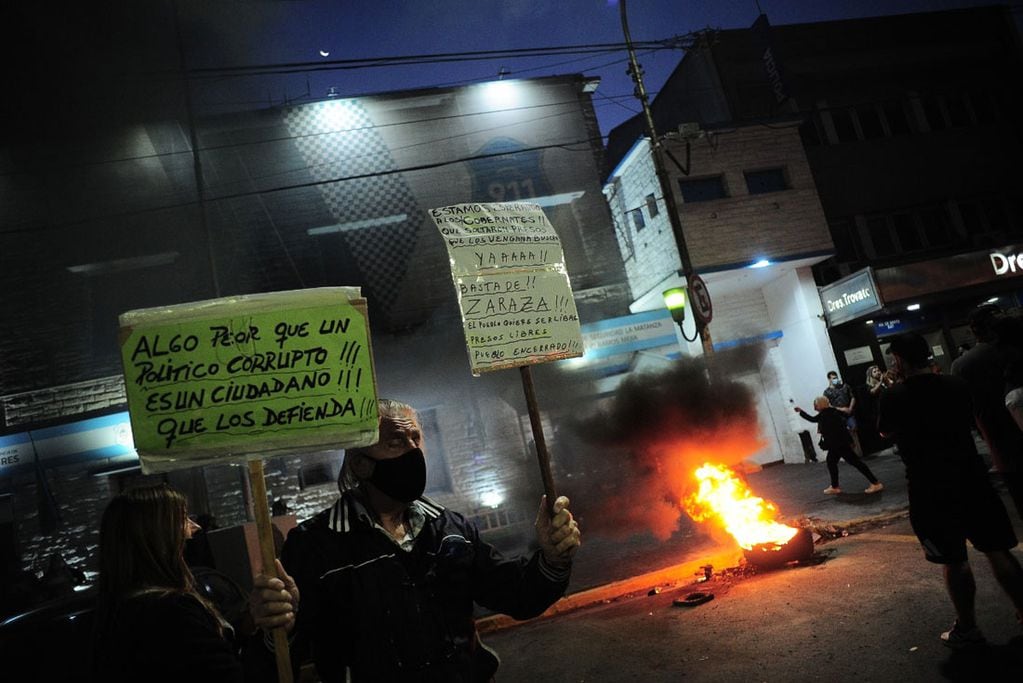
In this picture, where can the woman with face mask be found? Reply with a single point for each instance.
(383, 583)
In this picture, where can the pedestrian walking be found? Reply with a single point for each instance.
(837, 442)
(951, 499)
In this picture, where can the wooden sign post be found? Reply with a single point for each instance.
(515, 298)
(250, 377)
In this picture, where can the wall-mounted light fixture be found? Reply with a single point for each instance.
(676, 299)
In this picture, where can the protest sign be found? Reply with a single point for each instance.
(249, 376)
(513, 289)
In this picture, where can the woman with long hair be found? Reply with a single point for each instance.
(151, 624)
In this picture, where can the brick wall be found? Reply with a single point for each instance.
(63, 401)
(724, 232)
(650, 254)
(742, 226)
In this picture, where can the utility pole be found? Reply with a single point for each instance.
(663, 177)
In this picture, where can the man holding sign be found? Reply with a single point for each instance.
(383, 582)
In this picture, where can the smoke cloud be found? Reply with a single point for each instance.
(644, 443)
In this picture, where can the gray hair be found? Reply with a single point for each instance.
(386, 407)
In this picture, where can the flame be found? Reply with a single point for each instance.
(722, 498)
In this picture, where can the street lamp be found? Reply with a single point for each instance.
(664, 181)
(675, 299)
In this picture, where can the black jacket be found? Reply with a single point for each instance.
(159, 637)
(393, 615)
(832, 425)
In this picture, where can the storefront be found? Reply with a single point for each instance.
(934, 298)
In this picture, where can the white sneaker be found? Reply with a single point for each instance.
(874, 488)
(958, 637)
(832, 490)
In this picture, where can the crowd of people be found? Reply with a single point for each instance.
(931, 419)
(931, 416)
(383, 584)
(386, 579)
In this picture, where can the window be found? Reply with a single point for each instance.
(972, 222)
(995, 214)
(809, 131)
(637, 219)
(651, 205)
(880, 236)
(762, 182)
(844, 235)
(870, 122)
(1016, 217)
(932, 111)
(983, 107)
(906, 232)
(958, 114)
(844, 129)
(936, 227)
(702, 189)
(895, 115)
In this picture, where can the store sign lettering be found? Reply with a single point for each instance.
(848, 298)
(1006, 263)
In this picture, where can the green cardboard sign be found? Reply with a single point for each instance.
(248, 377)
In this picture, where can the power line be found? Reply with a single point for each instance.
(588, 142)
(357, 129)
(678, 42)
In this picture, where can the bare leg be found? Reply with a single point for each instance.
(963, 590)
(1009, 574)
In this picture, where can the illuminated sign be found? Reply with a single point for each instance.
(850, 297)
(91, 439)
(647, 330)
(1006, 263)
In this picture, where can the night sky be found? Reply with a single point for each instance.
(99, 50)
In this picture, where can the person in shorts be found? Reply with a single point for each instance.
(951, 499)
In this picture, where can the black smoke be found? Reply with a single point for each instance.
(641, 445)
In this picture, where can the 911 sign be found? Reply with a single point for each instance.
(699, 298)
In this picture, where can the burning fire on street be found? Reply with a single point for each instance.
(722, 498)
(682, 433)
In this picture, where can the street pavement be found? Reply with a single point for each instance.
(865, 607)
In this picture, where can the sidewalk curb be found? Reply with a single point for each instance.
(670, 577)
(677, 575)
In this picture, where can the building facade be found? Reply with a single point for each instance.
(908, 128)
(753, 227)
(327, 193)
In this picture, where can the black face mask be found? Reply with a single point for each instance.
(402, 478)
